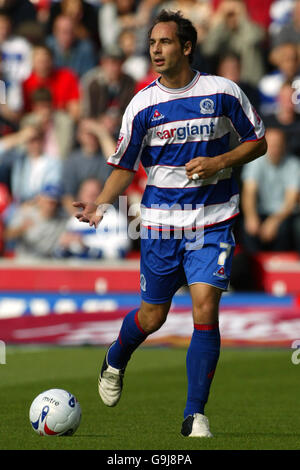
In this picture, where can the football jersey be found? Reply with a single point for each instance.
(164, 128)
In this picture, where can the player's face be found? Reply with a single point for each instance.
(166, 52)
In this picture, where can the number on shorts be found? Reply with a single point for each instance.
(224, 253)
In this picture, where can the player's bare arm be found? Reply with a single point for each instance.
(92, 212)
(205, 167)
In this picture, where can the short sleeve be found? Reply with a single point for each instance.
(130, 143)
(242, 114)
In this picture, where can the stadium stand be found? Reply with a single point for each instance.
(91, 81)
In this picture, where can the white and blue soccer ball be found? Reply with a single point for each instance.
(55, 412)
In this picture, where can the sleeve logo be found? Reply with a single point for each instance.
(256, 115)
(143, 282)
(119, 141)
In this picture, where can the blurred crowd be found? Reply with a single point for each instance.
(70, 68)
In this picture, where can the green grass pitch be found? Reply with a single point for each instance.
(254, 402)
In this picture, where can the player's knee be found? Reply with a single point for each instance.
(152, 319)
(206, 312)
(154, 324)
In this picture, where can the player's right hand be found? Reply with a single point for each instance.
(88, 213)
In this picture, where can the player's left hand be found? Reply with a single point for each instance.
(205, 167)
(88, 213)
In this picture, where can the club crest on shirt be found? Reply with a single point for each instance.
(207, 106)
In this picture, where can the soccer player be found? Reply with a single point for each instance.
(179, 127)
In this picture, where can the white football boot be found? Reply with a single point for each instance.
(196, 426)
(110, 383)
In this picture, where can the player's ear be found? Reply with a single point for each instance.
(187, 48)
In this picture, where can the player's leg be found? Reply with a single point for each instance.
(136, 326)
(159, 282)
(202, 357)
(207, 270)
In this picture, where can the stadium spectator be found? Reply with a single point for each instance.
(9, 119)
(286, 118)
(76, 54)
(81, 12)
(5, 200)
(232, 30)
(89, 160)
(19, 11)
(43, 12)
(280, 14)
(286, 60)
(112, 18)
(135, 65)
(270, 194)
(116, 15)
(58, 126)
(35, 229)
(109, 241)
(15, 63)
(150, 76)
(111, 120)
(259, 11)
(107, 85)
(62, 83)
(29, 169)
(229, 66)
(290, 32)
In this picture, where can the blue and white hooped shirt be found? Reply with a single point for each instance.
(164, 128)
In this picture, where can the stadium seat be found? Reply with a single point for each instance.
(277, 273)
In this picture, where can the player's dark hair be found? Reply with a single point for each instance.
(185, 28)
(4, 15)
